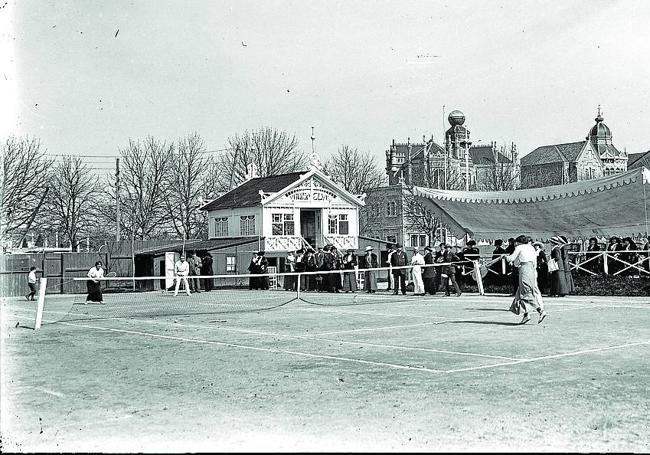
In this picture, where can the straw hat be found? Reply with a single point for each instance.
(369, 248)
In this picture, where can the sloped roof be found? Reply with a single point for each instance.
(198, 245)
(248, 193)
(613, 205)
(636, 160)
(484, 154)
(610, 150)
(545, 154)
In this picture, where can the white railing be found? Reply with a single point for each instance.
(611, 262)
(342, 242)
(283, 243)
(604, 263)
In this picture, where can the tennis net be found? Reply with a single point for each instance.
(133, 297)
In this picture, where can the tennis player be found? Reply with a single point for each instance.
(94, 285)
(182, 269)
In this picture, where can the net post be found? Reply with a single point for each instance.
(298, 286)
(478, 277)
(40, 304)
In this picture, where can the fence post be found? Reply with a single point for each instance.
(40, 304)
(605, 267)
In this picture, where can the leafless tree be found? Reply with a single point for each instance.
(144, 173)
(72, 200)
(270, 151)
(24, 184)
(186, 186)
(502, 174)
(357, 172)
(417, 217)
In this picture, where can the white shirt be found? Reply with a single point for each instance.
(417, 259)
(31, 278)
(523, 253)
(182, 268)
(95, 273)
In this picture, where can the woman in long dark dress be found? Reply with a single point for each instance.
(94, 284)
(349, 262)
(567, 266)
(557, 278)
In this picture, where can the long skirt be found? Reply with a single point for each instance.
(94, 291)
(370, 281)
(558, 283)
(349, 281)
(528, 291)
(418, 284)
(568, 277)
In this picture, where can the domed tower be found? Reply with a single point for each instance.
(600, 133)
(600, 136)
(457, 135)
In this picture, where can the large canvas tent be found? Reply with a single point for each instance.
(612, 205)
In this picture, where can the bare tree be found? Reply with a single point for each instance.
(216, 178)
(502, 174)
(72, 201)
(186, 186)
(270, 151)
(23, 183)
(356, 171)
(144, 173)
(417, 217)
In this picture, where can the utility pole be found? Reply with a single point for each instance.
(117, 199)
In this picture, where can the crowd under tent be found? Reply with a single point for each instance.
(606, 206)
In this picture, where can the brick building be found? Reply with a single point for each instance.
(390, 214)
(558, 164)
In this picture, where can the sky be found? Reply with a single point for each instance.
(86, 76)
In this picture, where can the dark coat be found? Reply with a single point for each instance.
(428, 272)
(399, 259)
(206, 268)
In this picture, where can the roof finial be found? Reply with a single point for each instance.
(314, 159)
(599, 118)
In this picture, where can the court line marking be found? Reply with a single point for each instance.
(255, 348)
(397, 366)
(547, 357)
(366, 313)
(329, 340)
(421, 324)
(50, 392)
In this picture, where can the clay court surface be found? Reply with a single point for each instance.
(384, 373)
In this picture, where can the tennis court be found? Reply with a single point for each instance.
(333, 373)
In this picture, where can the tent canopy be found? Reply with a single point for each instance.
(612, 205)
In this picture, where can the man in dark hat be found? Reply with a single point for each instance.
(448, 272)
(399, 259)
(207, 270)
(429, 272)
